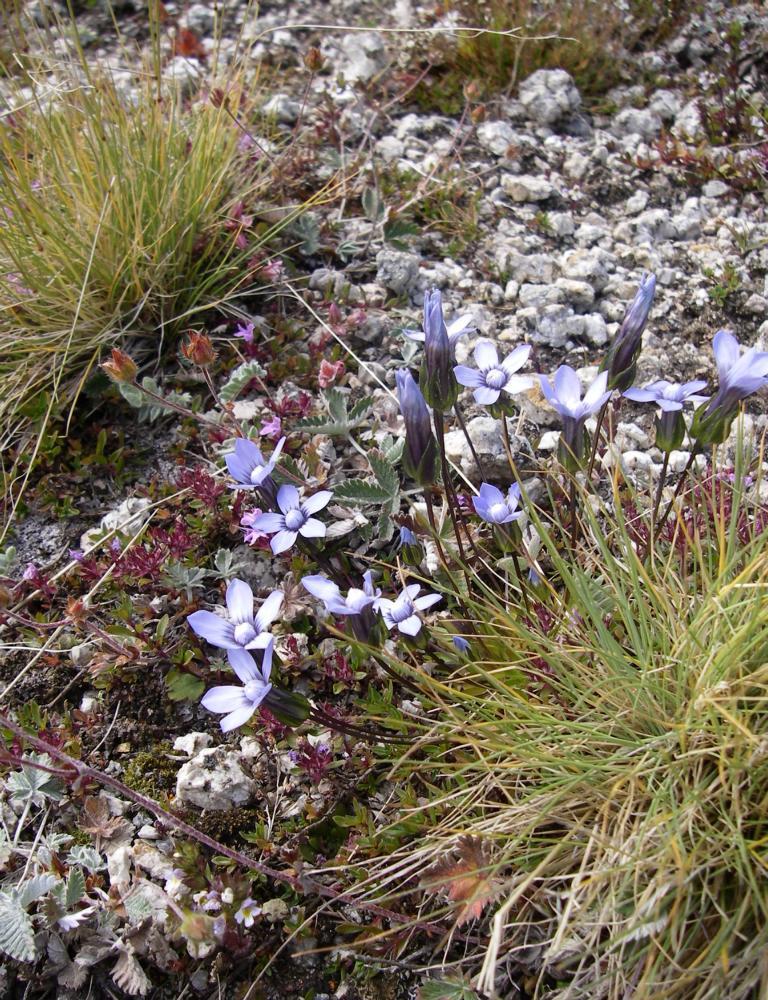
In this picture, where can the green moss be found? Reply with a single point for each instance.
(152, 773)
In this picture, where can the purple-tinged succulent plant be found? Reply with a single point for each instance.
(564, 395)
(244, 630)
(494, 507)
(295, 518)
(239, 702)
(493, 377)
(401, 613)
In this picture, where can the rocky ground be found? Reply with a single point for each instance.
(536, 212)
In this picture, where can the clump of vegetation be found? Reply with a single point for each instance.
(731, 143)
(121, 217)
(515, 39)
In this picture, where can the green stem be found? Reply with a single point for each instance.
(679, 488)
(596, 439)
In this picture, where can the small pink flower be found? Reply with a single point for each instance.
(251, 536)
(329, 372)
(273, 270)
(245, 330)
(272, 428)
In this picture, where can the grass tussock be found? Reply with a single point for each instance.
(608, 755)
(118, 217)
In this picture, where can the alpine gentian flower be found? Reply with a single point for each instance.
(457, 328)
(494, 507)
(669, 397)
(621, 360)
(251, 470)
(355, 601)
(296, 518)
(401, 613)
(493, 377)
(358, 605)
(740, 376)
(565, 397)
(240, 702)
(420, 446)
(461, 644)
(244, 630)
(407, 537)
(437, 379)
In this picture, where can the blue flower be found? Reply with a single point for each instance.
(494, 377)
(565, 397)
(296, 518)
(420, 453)
(669, 396)
(460, 644)
(243, 630)
(494, 507)
(239, 702)
(458, 328)
(353, 604)
(740, 376)
(248, 466)
(621, 361)
(401, 613)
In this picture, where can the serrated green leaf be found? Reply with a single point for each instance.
(239, 379)
(33, 783)
(386, 476)
(435, 989)
(17, 936)
(360, 492)
(75, 887)
(336, 401)
(182, 686)
(360, 410)
(36, 887)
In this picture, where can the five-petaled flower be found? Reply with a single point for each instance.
(494, 507)
(243, 630)
(668, 396)
(247, 465)
(240, 701)
(493, 377)
(740, 375)
(354, 603)
(295, 518)
(401, 613)
(565, 397)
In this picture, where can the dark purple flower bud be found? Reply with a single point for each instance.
(621, 361)
(439, 383)
(420, 454)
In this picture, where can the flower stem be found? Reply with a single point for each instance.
(470, 442)
(657, 501)
(574, 519)
(679, 488)
(450, 495)
(596, 439)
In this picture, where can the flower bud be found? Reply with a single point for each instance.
(121, 368)
(670, 430)
(199, 349)
(420, 456)
(313, 59)
(621, 360)
(440, 387)
(287, 707)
